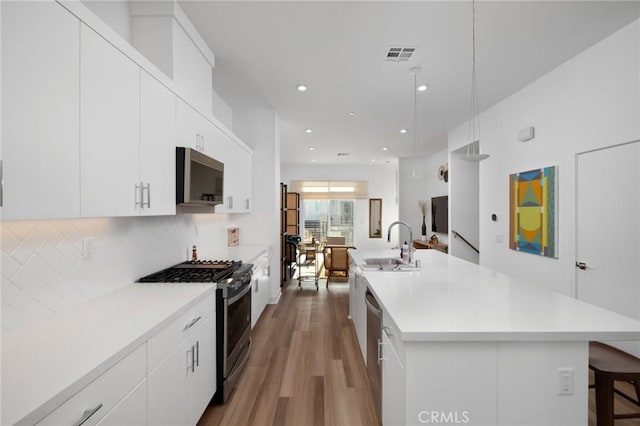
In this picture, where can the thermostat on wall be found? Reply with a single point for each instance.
(526, 134)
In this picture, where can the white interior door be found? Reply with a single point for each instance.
(608, 231)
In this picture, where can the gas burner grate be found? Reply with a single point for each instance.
(202, 271)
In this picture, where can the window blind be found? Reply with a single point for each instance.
(331, 190)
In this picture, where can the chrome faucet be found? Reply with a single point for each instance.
(398, 222)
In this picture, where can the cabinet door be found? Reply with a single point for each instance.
(393, 385)
(202, 384)
(237, 179)
(109, 128)
(40, 111)
(168, 388)
(181, 387)
(132, 410)
(157, 147)
(188, 126)
(360, 313)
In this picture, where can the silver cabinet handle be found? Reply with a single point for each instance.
(193, 359)
(581, 265)
(198, 353)
(192, 323)
(380, 357)
(137, 195)
(148, 188)
(248, 203)
(86, 415)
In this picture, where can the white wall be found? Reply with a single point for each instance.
(591, 101)
(258, 128)
(382, 184)
(43, 270)
(464, 205)
(424, 188)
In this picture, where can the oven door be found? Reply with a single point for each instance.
(237, 331)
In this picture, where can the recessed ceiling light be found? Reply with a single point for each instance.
(301, 87)
(403, 131)
(385, 148)
(373, 160)
(311, 148)
(313, 160)
(308, 130)
(352, 113)
(422, 87)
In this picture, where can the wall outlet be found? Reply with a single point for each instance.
(88, 248)
(499, 238)
(565, 381)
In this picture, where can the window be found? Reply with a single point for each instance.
(328, 218)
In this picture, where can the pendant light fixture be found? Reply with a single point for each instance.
(473, 149)
(415, 174)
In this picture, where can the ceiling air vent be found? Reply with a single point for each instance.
(343, 154)
(399, 54)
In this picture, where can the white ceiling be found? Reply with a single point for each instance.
(338, 50)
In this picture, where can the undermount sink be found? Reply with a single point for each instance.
(391, 264)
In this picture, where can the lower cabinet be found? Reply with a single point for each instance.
(359, 314)
(105, 394)
(132, 410)
(182, 385)
(261, 283)
(393, 384)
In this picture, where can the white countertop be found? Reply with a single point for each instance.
(452, 299)
(46, 362)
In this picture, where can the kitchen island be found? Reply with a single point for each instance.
(466, 344)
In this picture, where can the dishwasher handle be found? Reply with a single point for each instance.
(372, 304)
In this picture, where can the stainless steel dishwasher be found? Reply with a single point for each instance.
(374, 330)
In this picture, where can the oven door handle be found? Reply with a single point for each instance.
(239, 296)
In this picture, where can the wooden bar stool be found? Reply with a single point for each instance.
(610, 364)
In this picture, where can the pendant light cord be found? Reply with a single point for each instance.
(415, 111)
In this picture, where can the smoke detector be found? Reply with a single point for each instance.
(399, 54)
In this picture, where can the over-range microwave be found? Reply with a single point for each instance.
(199, 179)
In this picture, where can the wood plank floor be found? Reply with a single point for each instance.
(305, 368)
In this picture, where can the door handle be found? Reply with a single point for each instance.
(581, 265)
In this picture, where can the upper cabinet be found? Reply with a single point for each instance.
(157, 147)
(40, 111)
(90, 126)
(109, 129)
(127, 135)
(237, 179)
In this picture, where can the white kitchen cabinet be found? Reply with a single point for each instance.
(157, 147)
(181, 386)
(40, 111)
(132, 410)
(359, 313)
(109, 129)
(393, 383)
(261, 282)
(193, 130)
(103, 394)
(237, 179)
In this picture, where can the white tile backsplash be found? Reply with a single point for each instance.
(43, 271)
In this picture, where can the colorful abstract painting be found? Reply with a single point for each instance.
(533, 211)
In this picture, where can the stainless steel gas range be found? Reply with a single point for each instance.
(233, 313)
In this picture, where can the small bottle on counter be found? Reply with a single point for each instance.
(194, 254)
(405, 252)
